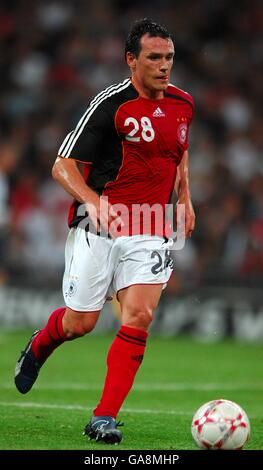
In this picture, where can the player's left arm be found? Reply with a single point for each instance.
(182, 189)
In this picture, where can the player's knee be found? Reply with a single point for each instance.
(76, 324)
(77, 330)
(138, 317)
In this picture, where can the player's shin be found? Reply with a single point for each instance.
(50, 337)
(124, 359)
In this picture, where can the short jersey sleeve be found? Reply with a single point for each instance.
(189, 119)
(85, 141)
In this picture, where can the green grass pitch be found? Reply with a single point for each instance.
(177, 376)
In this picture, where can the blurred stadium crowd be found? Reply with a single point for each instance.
(55, 55)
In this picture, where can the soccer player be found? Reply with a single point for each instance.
(132, 142)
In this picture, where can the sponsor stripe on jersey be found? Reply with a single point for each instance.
(90, 111)
(68, 146)
(107, 90)
(64, 143)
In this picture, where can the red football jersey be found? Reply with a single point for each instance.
(133, 145)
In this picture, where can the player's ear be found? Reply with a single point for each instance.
(131, 60)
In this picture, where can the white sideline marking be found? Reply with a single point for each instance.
(54, 406)
(147, 387)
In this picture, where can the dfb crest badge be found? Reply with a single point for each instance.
(182, 132)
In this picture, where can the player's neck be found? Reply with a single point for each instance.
(148, 93)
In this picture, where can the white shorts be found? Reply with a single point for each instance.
(96, 267)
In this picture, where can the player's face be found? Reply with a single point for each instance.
(151, 70)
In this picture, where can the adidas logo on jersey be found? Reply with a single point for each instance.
(158, 113)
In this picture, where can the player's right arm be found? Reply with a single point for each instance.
(66, 172)
(83, 146)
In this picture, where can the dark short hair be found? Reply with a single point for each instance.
(139, 28)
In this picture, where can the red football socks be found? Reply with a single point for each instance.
(50, 337)
(124, 358)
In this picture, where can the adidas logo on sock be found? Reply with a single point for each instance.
(158, 113)
(137, 358)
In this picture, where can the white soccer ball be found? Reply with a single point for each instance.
(220, 424)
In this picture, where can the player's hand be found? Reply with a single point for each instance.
(189, 215)
(103, 216)
(109, 218)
